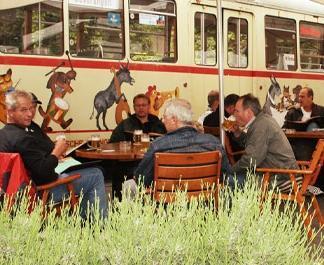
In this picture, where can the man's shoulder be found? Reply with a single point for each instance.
(154, 118)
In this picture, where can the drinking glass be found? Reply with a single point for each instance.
(95, 141)
(137, 136)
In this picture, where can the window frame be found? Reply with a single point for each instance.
(281, 30)
(202, 37)
(139, 11)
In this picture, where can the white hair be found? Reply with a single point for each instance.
(179, 109)
(12, 98)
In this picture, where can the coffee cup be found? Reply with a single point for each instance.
(137, 136)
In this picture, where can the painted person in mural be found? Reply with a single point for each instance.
(265, 143)
(306, 111)
(42, 159)
(140, 120)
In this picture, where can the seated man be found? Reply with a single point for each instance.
(213, 100)
(181, 138)
(41, 155)
(212, 119)
(306, 110)
(140, 120)
(265, 143)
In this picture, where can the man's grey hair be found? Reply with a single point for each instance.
(180, 109)
(12, 98)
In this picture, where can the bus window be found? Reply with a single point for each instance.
(237, 42)
(96, 29)
(311, 46)
(152, 30)
(280, 49)
(205, 39)
(32, 29)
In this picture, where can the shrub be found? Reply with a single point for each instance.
(140, 232)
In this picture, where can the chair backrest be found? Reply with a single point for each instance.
(316, 164)
(212, 130)
(13, 174)
(197, 173)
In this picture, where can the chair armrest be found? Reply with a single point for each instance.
(303, 163)
(58, 182)
(284, 171)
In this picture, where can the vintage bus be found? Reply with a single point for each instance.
(86, 59)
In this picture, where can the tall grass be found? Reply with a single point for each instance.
(140, 232)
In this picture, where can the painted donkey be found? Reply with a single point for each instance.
(104, 99)
(274, 90)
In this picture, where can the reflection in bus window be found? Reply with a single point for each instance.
(311, 46)
(237, 42)
(96, 32)
(205, 39)
(32, 29)
(152, 29)
(280, 34)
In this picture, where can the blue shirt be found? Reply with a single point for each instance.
(183, 140)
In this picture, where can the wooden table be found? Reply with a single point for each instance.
(306, 135)
(112, 151)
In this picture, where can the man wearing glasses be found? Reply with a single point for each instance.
(140, 120)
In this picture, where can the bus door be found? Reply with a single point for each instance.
(202, 52)
(238, 61)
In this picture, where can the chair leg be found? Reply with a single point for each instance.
(317, 211)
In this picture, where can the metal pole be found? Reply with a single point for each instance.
(220, 55)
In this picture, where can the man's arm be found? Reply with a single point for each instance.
(255, 150)
(40, 164)
(145, 169)
(118, 134)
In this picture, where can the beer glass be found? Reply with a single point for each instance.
(145, 140)
(95, 141)
(137, 136)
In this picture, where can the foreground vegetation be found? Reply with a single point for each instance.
(139, 232)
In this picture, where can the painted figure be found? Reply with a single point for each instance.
(57, 107)
(104, 99)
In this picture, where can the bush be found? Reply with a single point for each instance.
(139, 232)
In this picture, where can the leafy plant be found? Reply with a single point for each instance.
(142, 231)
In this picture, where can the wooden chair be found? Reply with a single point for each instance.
(212, 130)
(197, 173)
(14, 176)
(310, 171)
(232, 155)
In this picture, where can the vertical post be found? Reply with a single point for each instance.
(220, 55)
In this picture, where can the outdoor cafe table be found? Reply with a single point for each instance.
(112, 151)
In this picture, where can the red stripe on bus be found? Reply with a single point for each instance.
(40, 61)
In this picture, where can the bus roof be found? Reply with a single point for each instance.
(310, 7)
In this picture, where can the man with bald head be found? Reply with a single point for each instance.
(307, 109)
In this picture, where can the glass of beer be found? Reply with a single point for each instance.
(145, 140)
(137, 136)
(95, 141)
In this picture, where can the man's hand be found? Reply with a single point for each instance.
(60, 148)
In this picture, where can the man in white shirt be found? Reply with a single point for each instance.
(213, 102)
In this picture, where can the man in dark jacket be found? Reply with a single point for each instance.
(306, 111)
(140, 120)
(41, 155)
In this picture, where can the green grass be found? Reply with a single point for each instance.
(139, 232)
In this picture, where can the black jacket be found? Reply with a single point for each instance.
(296, 114)
(35, 152)
(124, 130)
